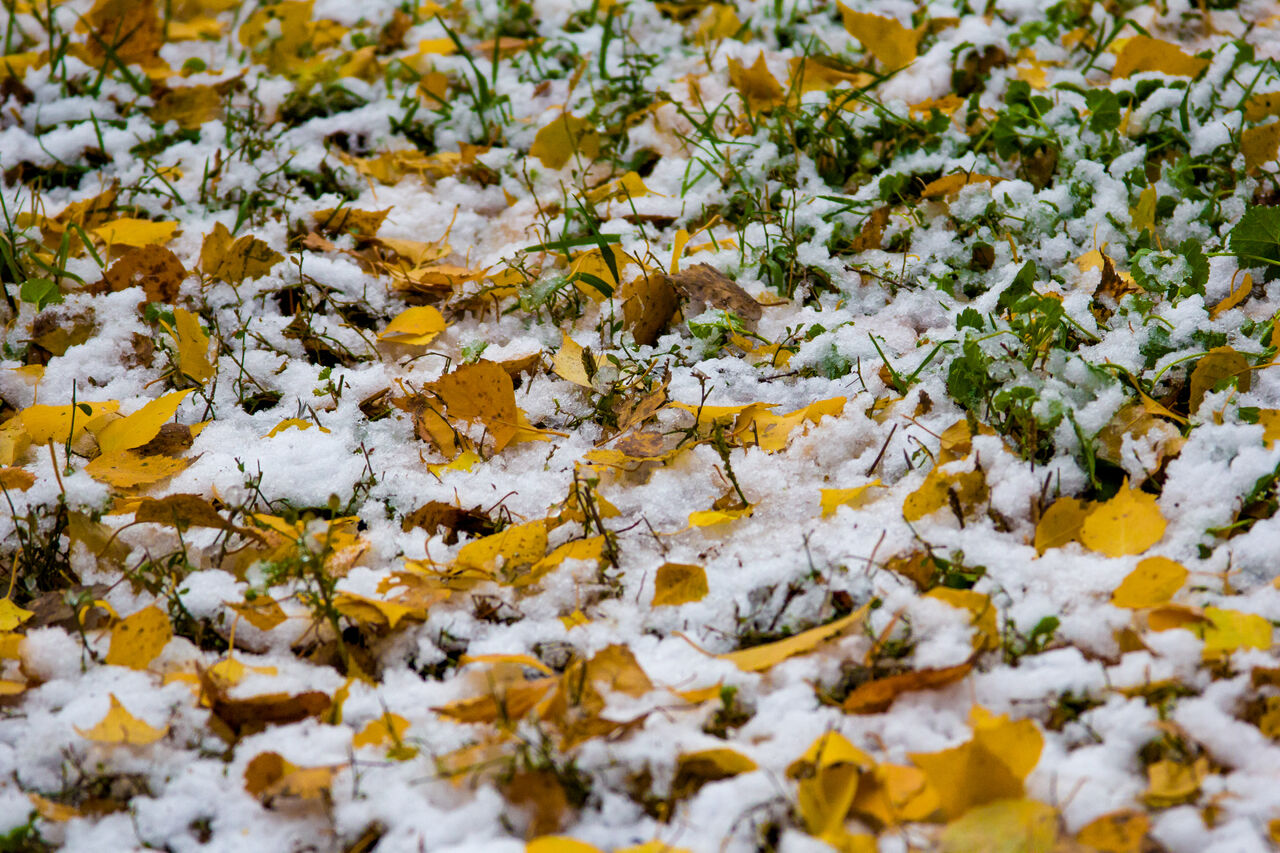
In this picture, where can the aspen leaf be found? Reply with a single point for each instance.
(135, 232)
(1230, 630)
(654, 846)
(760, 658)
(771, 432)
(1218, 365)
(695, 769)
(968, 488)
(570, 362)
(301, 424)
(371, 611)
(711, 517)
(828, 773)
(814, 73)
(855, 498)
(1152, 582)
(11, 615)
(1129, 523)
(18, 479)
(1142, 53)
(678, 583)
(563, 137)
(1060, 524)
(263, 709)
(1171, 783)
(125, 469)
(189, 106)
(361, 224)
(1259, 145)
(559, 844)
(268, 775)
(262, 612)
(1237, 294)
(121, 727)
(875, 696)
(481, 392)
(884, 38)
(759, 88)
(589, 549)
(153, 268)
(235, 261)
(986, 634)
(1143, 214)
(61, 424)
(137, 639)
(193, 346)
(989, 767)
(1116, 832)
(130, 29)
(1005, 826)
(389, 728)
(1260, 105)
(515, 547)
(416, 326)
(140, 427)
(510, 702)
(952, 184)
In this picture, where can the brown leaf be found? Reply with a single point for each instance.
(171, 440)
(130, 29)
(872, 234)
(649, 301)
(255, 713)
(541, 797)
(642, 445)
(182, 511)
(153, 268)
(876, 696)
(704, 284)
(434, 515)
(481, 392)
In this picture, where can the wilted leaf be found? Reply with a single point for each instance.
(828, 775)
(257, 712)
(563, 137)
(884, 38)
(1237, 294)
(760, 658)
(872, 697)
(1142, 53)
(695, 769)
(1005, 826)
(189, 106)
(649, 302)
(416, 326)
(129, 29)
(481, 392)
(121, 727)
(18, 479)
(374, 612)
(155, 269)
(678, 583)
(139, 638)
(1152, 582)
(235, 261)
(193, 346)
(1129, 523)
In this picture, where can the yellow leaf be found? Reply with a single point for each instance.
(575, 619)
(1142, 53)
(416, 326)
(559, 844)
(828, 775)
(464, 461)
(269, 775)
(1259, 145)
(759, 88)
(989, 767)
(709, 517)
(190, 106)
(1259, 105)
(760, 658)
(1237, 295)
(968, 488)
(140, 427)
(1116, 832)
(1060, 524)
(514, 547)
(1143, 214)
(481, 392)
(717, 21)
(591, 548)
(16, 479)
(1218, 365)
(1153, 581)
(11, 615)
(125, 469)
(570, 362)
(562, 138)
(884, 38)
(193, 346)
(135, 232)
(857, 497)
(137, 639)
(234, 261)
(196, 29)
(275, 34)
(389, 728)
(1129, 523)
(61, 424)
(1005, 826)
(951, 184)
(695, 769)
(1170, 783)
(292, 423)
(986, 635)
(771, 432)
(677, 583)
(654, 846)
(121, 727)
(372, 611)
(1230, 630)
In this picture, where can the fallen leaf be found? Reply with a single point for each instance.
(1171, 783)
(513, 548)
(125, 469)
(1060, 524)
(416, 326)
(758, 87)
(678, 583)
(481, 392)
(1218, 365)
(1259, 145)
(153, 268)
(140, 427)
(855, 498)
(875, 696)
(139, 638)
(268, 775)
(1005, 826)
(1116, 832)
(570, 362)
(1143, 53)
(760, 658)
(1237, 294)
(190, 106)
(703, 284)
(375, 612)
(387, 729)
(563, 137)
(236, 261)
(986, 634)
(1227, 631)
(18, 479)
(695, 769)
(1152, 582)
(262, 612)
(121, 727)
(11, 615)
(135, 232)
(253, 713)
(1128, 523)
(435, 515)
(952, 184)
(61, 424)
(884, 38)
(591, 549)
(193, 346)
(963, 490)
(827, 777)
(649, 302)
(560, 844)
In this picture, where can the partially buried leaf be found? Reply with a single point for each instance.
(155, 269)
(827, 777)
(61, 424)
(374, 612)
(678, 583)
(190, 106)
(1116, 832)
(986, 632)
(268, 775)
(760, 658)
(876, 696)
(570, 362)
(559, 844)
(262, 612)
(961, 491)
(416, 326)
(989, 767)
(1230, 630)
(855, 498)
(18, 479)
(126, 31)
(1237, 294)
(1218, 365)
(1005, 826)
(1171, 783)
(256, 712)
(135, 232)
(649, 302)
(125, 469)
(884, 38)
(235, 261)
(952, 184)
(434, 515)
(1260, 144)
(703, 284)
(1060, 524)
(515, 547)
(11, 615)
(1152, 582)
(481, 392)
(389, 728)
(1129, 523)
(759, 88)
(193, 346)
(1143, 53)
(563, 137)
(140, 427)
(121, 727)
(139, 638)
(695, 769)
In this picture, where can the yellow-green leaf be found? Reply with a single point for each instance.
(140, 427)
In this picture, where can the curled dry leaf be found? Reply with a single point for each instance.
(876, 696)
(703, 284)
